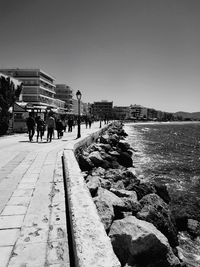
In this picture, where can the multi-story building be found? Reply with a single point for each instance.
(103, 109)
(74, 110)
(38, 88)
(65, 93)
(138, 112)
(120, 112)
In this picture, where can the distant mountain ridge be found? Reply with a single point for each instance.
(188, 115)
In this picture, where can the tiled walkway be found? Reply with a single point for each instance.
(32, 205)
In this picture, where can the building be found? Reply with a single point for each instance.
(65, 93)
(38, 88)
(121, 113)
(103, 109)
(137, 112)
(75, 107)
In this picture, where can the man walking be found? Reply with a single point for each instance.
(51, 125)
(30, 122)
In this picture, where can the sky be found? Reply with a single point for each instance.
(144, 52)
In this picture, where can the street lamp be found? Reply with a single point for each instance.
(78, 96)
(100, 118)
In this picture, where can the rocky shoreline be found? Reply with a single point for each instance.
(136, 214)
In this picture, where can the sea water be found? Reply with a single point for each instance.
(170, 153)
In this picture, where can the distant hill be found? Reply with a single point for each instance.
(188, 115)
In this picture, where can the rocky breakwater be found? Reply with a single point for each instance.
(135, 214)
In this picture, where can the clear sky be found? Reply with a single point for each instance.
(143, 52)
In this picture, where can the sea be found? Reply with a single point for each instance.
(169, 152)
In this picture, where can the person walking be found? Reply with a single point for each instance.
(70, 124)
(90, 122)
(40, 128)
(59, 128)
(30, 122)
(51, 125)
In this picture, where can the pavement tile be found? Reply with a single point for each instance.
(40, 220)
(57, 252)
(5, 253)
(7, 222)
(14, 210)
(19, 201)
(8, 237)
(23, 192)
(29, 255)
(31, 179)
(26, 185)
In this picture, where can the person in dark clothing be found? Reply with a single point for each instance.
(86, 122)
(90, 122)
(59, 128)
(40, 128)
(70, 124)
(51, 125)
(30, 122)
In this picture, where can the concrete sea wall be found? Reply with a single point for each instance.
(90, 244)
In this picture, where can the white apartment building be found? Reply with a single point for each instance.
(38, 88)
(137, 112)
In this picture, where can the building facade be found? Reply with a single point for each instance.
(120, 112)
(103, 109)
(38, 88)
(137, 112)
(65, 93)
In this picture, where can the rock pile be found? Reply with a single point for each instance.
(135, 214)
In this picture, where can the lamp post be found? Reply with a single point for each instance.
(100, 118)
(78, 96)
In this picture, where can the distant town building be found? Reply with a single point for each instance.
(103, 109)
(65, 93)
(75, 107)
(120, 112)
(137, 112)
(38, 88)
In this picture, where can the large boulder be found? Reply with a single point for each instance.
(138, 242)
(104, 139)
(142, 189)
(98, 172)
(96, 158)
(124, 193)
(129, 179)
(105, 211)
(161, 191)
(131, 203)
(125, 160)
(105, 147)
(106, 184)
(113, 175)
(85, 163)
(109, 198)
(193, 227)
(156, 211)
(123, 145)
(114, 153)
(118, 185)
(93, 183)
(113, 140)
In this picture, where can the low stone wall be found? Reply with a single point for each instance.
(91, 245)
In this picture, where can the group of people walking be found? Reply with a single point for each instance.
(50, 125)
(40, 126)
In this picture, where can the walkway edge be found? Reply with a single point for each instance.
(91, 245)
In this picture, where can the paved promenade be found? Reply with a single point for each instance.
(32, 206)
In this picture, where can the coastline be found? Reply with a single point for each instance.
(121, 198)
(189, 241)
